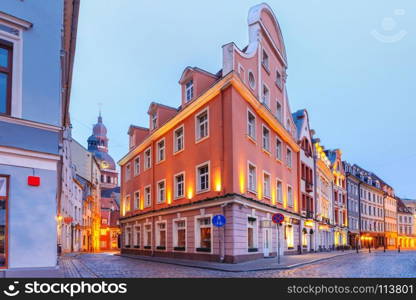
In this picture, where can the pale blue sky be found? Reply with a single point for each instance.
(358, 89)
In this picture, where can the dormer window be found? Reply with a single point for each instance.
(154, 120)
(265, 61)
(189, 90)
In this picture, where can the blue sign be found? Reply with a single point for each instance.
(218, 220)
(278, 218)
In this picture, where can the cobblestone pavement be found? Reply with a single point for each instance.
(378, 264)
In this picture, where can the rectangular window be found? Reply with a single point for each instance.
(179, 185)
(147, 196)
(137, 166)
(127, 238)
(4, 226)
(265, 61)
(6, 58)
(161, 150)
(154, 120)
(128, 172)
(203, 234)
(189, 90)
(279, 191)
(278, 149)
(137, 237)
(289, 237)
(266, 139)
(265, 96)
(289, 196)
(127, 204)
(148, 159)
(251, 125)
(179, 238)
(279, 81)
(137, 200)
(202, 125)
(266, 185)
(161, 191)
(279, 112)
(161, 236)
(178, 139)
(252, 178)
(289, 158)
(203, 178)
(252, 234)
(147, 236)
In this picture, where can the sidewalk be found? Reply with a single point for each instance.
(286, 262)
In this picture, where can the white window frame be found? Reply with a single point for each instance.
(269, 194)
(249, 188)
(161, 149)
(175, 236)
(290, 200)
(137, 165)
(127, 200)
(175, 139)
(242, 72)
(198, 138)
(154, 120)
(175, 185)
(145, 231)
(279, 116)
(189, 90)
(136, 204)
(265, 99)
(136, 244)
(17, 64)
(198, 233)
(263, 138)
(157, 237)
(127, 172)
(279, 152)
(278, 180)
(252, 86)
(128, 236)
(265, 60)
(289, 158)
(146, 204)
(249, 112)
(158, 200)
(198, 183)
(255, 232)
(147, 166)
(279, 79)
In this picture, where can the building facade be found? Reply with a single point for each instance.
(339, 198)
(230, 149)
(390, 217)
(353, 206)
(406, 236)
(324, 199)
(110, 215)
(307, 204)
(30, 155)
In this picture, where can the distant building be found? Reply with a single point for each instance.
(110, 191)
(37, 45)
(353, 205)
(405, 223)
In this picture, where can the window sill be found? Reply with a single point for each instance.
(266, 68)
(201, 139)
(179, 197)
(251, 191)
(279, 86)
(251, 139)
(266, 152)
(203, 249)
(160, 162)
(252, 249)
(179, 248)
(178, 152)
(203, 191)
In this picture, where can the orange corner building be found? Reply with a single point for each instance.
(229, 149)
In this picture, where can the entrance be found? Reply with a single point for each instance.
(267, 241)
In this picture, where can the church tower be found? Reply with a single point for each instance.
(98, 146)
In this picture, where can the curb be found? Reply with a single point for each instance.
(293, 266)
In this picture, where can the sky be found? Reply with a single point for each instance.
(351, 64)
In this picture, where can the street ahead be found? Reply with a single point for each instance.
(376, 264)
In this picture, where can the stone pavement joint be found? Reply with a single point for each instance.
(264, 264)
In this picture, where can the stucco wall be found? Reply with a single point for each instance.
(31, 218)
(41, 57)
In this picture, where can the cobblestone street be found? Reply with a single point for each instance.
(376, 264)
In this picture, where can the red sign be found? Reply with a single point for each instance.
(278, 218)
(33, 180)
(67, 220)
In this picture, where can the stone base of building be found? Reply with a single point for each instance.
(50, 272)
